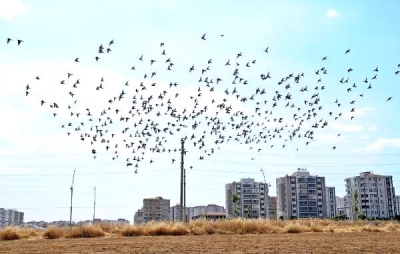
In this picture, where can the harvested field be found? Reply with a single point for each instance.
(357, 242)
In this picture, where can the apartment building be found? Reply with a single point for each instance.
(371, 195)
(330, 202)
(397, 204)
(252, 202)
(174, 213)
(11, 217)
(153, 209)
(272, 207)
(302, 195)
(342, 206)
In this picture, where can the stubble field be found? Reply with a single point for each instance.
(235, 236)
(359, 242)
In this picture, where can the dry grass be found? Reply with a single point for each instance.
(86, 231)
(203, 227)
(53, 233)
(9, 234)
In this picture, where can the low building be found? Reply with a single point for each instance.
(213, 216)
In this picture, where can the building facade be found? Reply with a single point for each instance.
(272, 207)
(330, 202)
(11, 217)
(397, 204)
(370, 195)
(302, 195)
(174, 213)
(252, 199)
(156, 209)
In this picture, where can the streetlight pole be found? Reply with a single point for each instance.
(72, 192)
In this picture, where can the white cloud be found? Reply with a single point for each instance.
(11, 8)
(382, 143)
(357, 112)
(332, 13)
(347, 127)
(373, 128)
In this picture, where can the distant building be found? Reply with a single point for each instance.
(272, 207)
(253, 199)
(174, 213)
(330, 202)
(302, 195)
(371, 195)
(195, 211)
(156, 209)
(210, 216)
(397, 204)
(11, 217)
(342, 206)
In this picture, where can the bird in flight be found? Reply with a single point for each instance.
(347, 51)
(19, 42)
(9, 40)
(203, 37)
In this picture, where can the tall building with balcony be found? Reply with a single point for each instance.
(370, 195)
(11, 217)
(153, 209)
(252, 202)
(302, 195)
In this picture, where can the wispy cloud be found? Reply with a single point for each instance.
(332, 13)
(11, 8)
(382, 143)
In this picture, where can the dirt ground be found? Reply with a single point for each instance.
(366, 242)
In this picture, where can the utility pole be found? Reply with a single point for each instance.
(182, 180)
(72, 192)
(94, 204)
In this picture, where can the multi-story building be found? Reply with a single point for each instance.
(342, 206)
(330, 202)
(195, 211)
(272, 207)
(302, 195)
(370, 195)
(174, 213)
(252, 199)
(397, 204)
(138, 218)
(11, 217)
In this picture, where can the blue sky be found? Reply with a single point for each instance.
(37, 158)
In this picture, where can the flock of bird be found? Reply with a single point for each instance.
(155, 122)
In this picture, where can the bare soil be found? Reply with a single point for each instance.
(357, 242)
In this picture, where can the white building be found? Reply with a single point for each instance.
(272, 207)
(11, 217)
(370, 195)
(303, 196)
(342, 206)
(253, 199)
(174, 213)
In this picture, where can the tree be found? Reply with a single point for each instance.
(235, 199)
(248, 211)
(356, 204)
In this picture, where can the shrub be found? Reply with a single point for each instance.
(86, 231)
(9, 234)
(53, 233)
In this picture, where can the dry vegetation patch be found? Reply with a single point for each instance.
(202, 227)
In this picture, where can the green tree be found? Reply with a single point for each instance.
(356, 209)
(235, 199)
